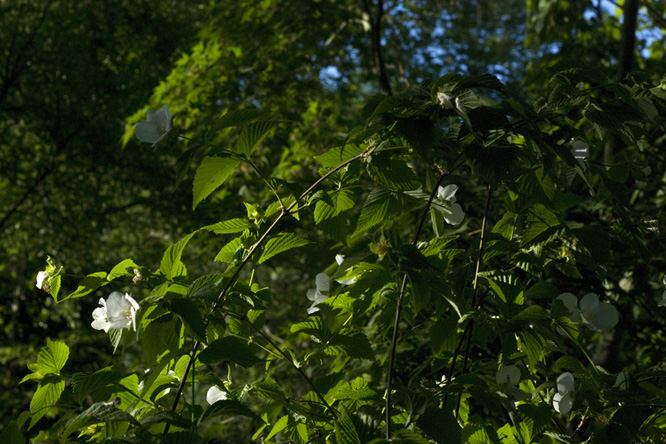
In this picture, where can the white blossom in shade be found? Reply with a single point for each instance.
(452, 212)
(156, 126)
(581, 151)
(599, 316)
(118, 311)
(339, 259)
(445, 100)
(461, 109)
(318, 295)
(214, 394)
(508, 376)
(41, 277)
(563, 399)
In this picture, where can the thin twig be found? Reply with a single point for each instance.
(479, 261)
(245, 261)
(297, 368)
(398, 310)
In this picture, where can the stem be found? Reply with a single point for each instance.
(398, 311)
(479, 261)
(247, 258)
(297, 368)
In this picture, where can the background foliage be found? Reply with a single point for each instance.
(80, 188)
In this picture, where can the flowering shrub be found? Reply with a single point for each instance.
(407, 298)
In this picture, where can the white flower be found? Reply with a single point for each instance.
(339, 258)
(444, 100)
(118, 311)
(42, 276)
(155, 127)
(598, 316)
(317, 296)
(563, 399)
(581, 151)
(214, 394)
(509, 375)
(452, 212)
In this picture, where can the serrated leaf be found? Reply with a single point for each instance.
(335, 203)
(84, 384)
(54, 283)
(48, 392)
(354, 345)
(52, 357)
(338, 155)
(269, 389)
(212, 173)
(379, 204)
(279, 244)
(229, 407)
(228, 252)
(100, 412)
(125, 268)
(237, 225)
(237, 117)
(393, 173)
(171, 266)
(252, 136)
(159, 336)
(88, 284)
(231, 349)
(167, 417)
(190, 314)
(345, 432)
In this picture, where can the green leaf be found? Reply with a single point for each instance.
(47, 394)
(100, 412)
(354, 345)
(269, 389)
(171, 266)
(167, 417)
(393, 173)
(125, 268)
(279, 244)
(212, 173)
(541, 223)
(88, 284)
(376, 209)
(228, 252)
(160, 336)
(252, 136)
(440, 426)
(229, 226)
(338, 155)
(237, 117)
(532, 344)
(229, 407)
(189, 312)
(345, 432)
(11, 434)
(280, 424)
(231, 349)
(84, 384)
(334, 203)
(52, 358)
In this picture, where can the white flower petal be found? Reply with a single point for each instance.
(339, 258)
(454, 215)
(323, 282)
(447, 193)
(41, 276)
(444, 100)
(562, 403)
(214, 394)
(155, 127)
(509, 375)
(603, 318)
(565, 383)
(589, 302)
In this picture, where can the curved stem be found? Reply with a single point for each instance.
(242, 265)
(398, 311)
